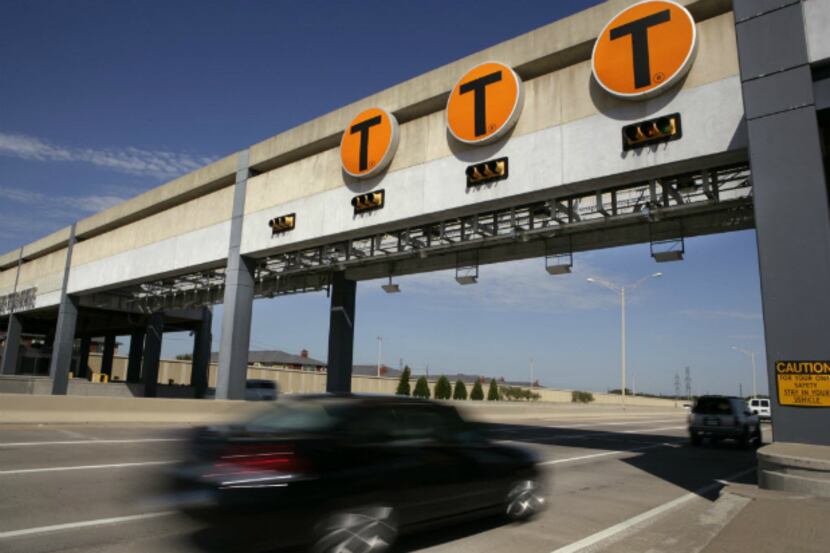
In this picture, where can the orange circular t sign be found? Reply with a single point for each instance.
(369, 143)
(645, 49)
(485, 103)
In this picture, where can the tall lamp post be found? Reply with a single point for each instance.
(751, 355)
(380, 351)
(622, 290)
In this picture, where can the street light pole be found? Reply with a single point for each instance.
(751, 355)
(622, 344)
(621, 290)
(380, 351)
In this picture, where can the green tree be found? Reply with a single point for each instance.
(443, 390)
(460, 391)
(578, 396)
(184, 357)
(421, 388)
(403, 383)
(493, 391)
(477, 394)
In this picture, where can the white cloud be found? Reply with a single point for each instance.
(59, 204)
(155, 163)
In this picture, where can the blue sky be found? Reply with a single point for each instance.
(103, 100)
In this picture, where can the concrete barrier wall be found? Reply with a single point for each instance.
(24, 408)
(79, 409)
(302, 382)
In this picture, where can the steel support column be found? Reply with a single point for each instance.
(11, 350)
(792, 215)
(107, 355)
(134, 359)
(64, 343)
(8, 364)
(152, 354)
(239, 300)
(341, 334)
(82, 371)
(201, 354)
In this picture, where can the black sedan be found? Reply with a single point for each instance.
(349, 473)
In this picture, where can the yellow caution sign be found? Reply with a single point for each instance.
(803, 383)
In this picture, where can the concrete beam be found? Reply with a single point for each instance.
(82, 370)
(64, 343)
(136, 352)
(11, 349)
(341, 334)
(201, 354)
(152, 354)
(792, 214)
(239, 300)
(108, 354)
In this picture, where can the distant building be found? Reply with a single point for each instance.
(278, 359)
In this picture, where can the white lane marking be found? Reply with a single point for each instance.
(625, 423)
(95, 442)
(654, 429)
(84, 467)
(81, 524)
(612, 531)
(606, 453)
(71, 434)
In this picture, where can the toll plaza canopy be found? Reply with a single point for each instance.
(630, 122)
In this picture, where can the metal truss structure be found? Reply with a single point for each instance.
(665, 209)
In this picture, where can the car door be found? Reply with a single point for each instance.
(443, 475)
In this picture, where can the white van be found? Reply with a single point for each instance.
(760, 406)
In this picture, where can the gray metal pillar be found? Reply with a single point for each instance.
(792, 215)
(152, 354)
(11, 351)
(8, 364)
(134, 359)
(107, 355)
(201, 354)
(83, 359)
(64, 343)
(239, 300)
(341, 334)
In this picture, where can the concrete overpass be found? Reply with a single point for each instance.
(750, 154)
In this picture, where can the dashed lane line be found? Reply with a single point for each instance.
(91, 442)
(81, 524)
(84, 467)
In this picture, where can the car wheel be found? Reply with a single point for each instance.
(359, 530)
(524, 500)
(695, 440)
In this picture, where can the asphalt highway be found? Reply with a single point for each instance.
(618, 482)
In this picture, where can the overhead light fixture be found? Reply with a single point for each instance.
(665, 257)
(559, 263)
(466, 275)
(391, 288)
(668, 249)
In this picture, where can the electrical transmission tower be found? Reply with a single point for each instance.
(677, 385)
(689, 383)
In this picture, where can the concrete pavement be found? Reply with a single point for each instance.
(85, 488)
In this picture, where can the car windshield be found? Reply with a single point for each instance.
(298, 417)
(713, 406)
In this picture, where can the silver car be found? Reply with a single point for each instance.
(723, 417)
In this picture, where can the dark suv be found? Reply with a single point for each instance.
(348, 473)
(718, 417)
